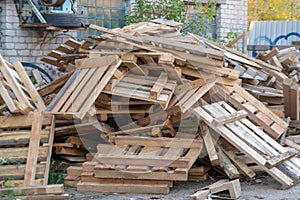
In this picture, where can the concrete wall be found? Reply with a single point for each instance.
(232, 17)
(25, 44)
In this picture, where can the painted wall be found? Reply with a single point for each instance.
(25, 44)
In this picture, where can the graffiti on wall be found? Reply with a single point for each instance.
(273, 43)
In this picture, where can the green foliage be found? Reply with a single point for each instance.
(10, 193)
(4, 161)
(273, 10)
(229, 37)
(195, 17)
(57, 173)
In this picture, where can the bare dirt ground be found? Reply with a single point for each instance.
(264, 188)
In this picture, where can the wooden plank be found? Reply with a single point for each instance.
(200, 195)
(39, 102)
(50, 144)
(210, 145)
(157, 142)
(66, 103)
(277, 160)
(52, 62)
(229, 118)
(35, 190)
(123, 188)
(141, 160)
(287, 97)
(230, 170)
(295, 101)
(17, 172)
(159, 85)
(19, 155)
(33, 149)
(102, 61)
(140, 175)
(21, 121)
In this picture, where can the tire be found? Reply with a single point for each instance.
(63, 19)
(45, 75)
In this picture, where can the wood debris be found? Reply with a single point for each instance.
(137, 110)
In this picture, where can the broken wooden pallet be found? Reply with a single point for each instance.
(259, 113)
(211, 191)
(254, 142)
(129, 166)
(26, 151)
(16, 89)
(82, 89)
(146, 88)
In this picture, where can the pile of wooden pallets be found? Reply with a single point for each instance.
(147, 106)
(161, 85)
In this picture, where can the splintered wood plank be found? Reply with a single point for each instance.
(239, 163)
(123, 188)
(159, 85)
(33, 149)
(39, 102)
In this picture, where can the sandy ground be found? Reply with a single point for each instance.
(264, 188)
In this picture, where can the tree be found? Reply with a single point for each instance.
(195, 15)
(273, 10)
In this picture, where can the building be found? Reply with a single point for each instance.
(30, 44)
